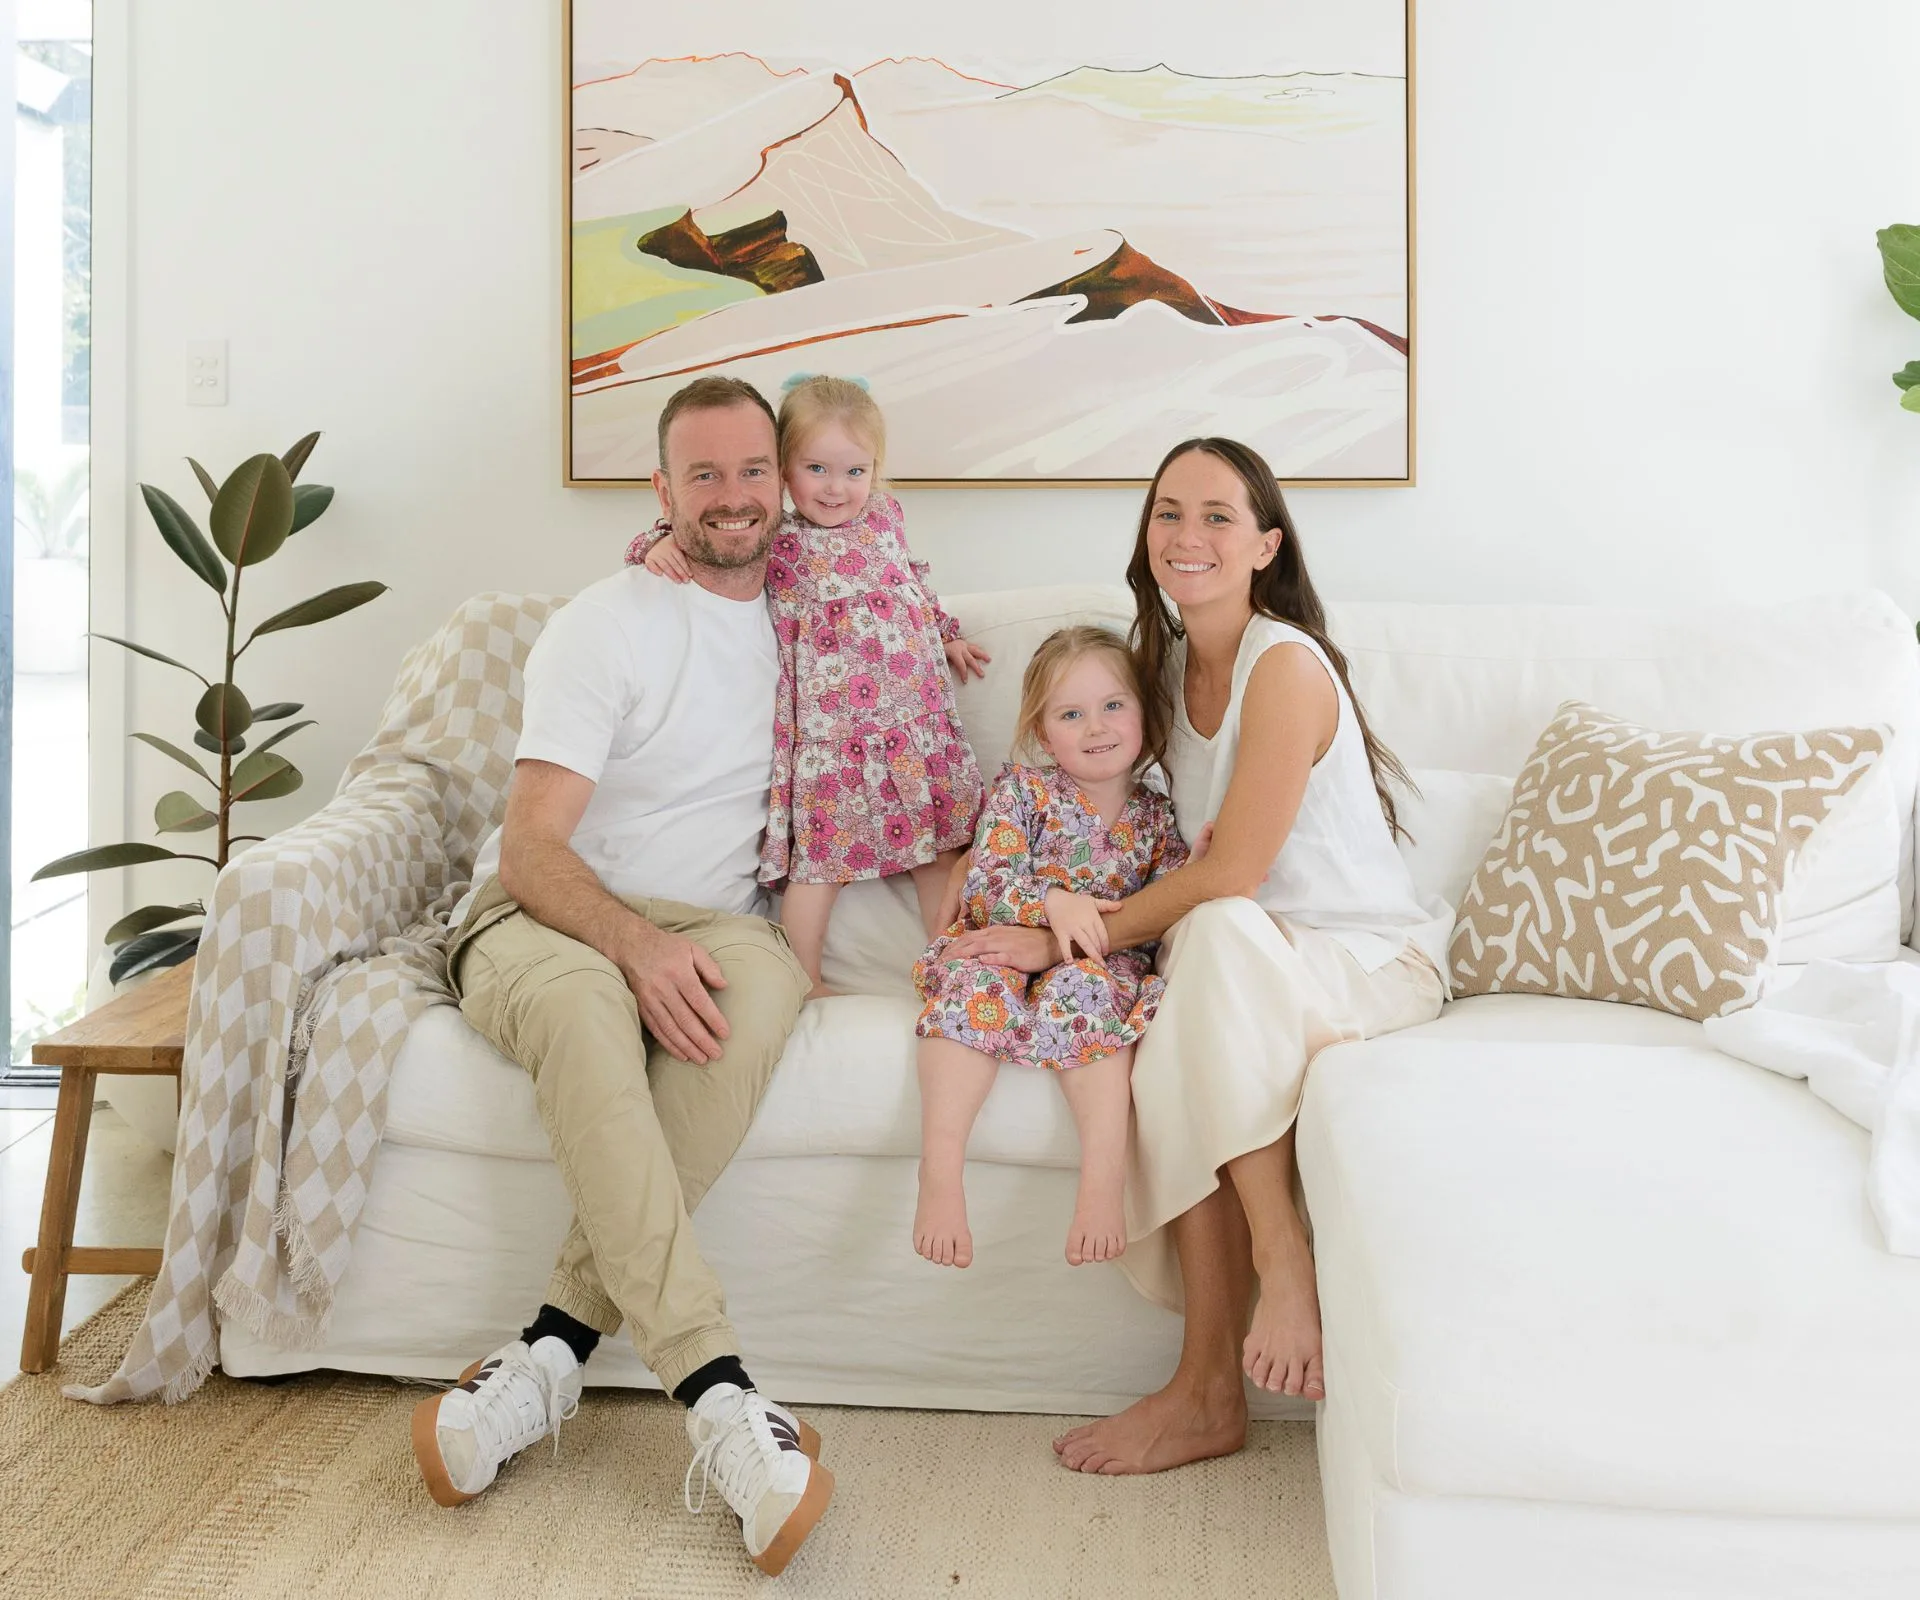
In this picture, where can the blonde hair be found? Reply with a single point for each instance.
(1059, 651)
(814, 402)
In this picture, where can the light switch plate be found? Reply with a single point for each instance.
(206, 372)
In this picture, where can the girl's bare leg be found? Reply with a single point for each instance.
(930, 885)
(1202, 1412)
(953, 1086)
(1282, 1352)
(1101, 1098)
(805, 910)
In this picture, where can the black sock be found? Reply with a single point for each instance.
(553, 1323)
(722, 1369)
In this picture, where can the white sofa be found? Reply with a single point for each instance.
(1605, 1310)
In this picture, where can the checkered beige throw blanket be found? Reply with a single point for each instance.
(322, 945)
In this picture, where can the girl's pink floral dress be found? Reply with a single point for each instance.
(1038, 833)
(872, 774)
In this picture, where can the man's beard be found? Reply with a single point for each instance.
(697, 545)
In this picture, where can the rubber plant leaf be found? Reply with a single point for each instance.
(184, 537)
(223, 712)
(186, 758)
(265, 777)
(206, 479)
(320, 608)
(285, 733)
(147, 918)
(143, 650)
(102, 856)
(178, 812)
(166, 948)
(309, 500)
(296, 458)
(253, 513)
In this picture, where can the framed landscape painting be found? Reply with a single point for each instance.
(1050, 248)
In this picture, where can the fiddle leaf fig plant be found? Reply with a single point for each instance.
(251, 516)
(1900, 259)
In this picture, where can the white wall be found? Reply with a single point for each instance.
(1653, 342)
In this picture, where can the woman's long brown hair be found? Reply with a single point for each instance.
(1281, 590)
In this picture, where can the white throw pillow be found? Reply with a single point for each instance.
(1449, 824)
(1841, 900)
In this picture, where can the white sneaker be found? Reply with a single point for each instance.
(513, 1398)
(758, 1454)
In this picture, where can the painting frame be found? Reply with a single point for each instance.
(1407, 481)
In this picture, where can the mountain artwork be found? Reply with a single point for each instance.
(1042, 277)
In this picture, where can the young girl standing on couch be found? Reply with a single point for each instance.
(1053, 844)
(872, 774)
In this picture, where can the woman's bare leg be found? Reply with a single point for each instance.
(805, 910)
(953, 1086)
(1100, 1095)
(1202, 1412)
(930, 885)
(1282, 1352)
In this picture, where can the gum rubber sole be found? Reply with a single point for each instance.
(809, 1439)
(800, 1522)
(426, 1447)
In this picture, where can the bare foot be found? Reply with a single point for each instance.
(1282, 1352)
(940, 1221)
(1098, 1231)
(1168, 1429)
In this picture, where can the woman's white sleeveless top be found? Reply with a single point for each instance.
(1339, 870)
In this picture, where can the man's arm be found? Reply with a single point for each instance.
(669, 975)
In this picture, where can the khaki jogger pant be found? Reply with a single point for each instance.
(638, 1135)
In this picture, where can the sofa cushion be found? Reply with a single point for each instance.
(845, 1086)
(1634, 1273)
(1647, 867)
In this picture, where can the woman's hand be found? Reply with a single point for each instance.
(1006, 944)
(1077, 920)
(665, 558)
(963, 658)
(1202, 844)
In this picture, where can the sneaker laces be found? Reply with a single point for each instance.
(515, 1409)
(740, 1452)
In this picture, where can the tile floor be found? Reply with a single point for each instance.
(123, 1201)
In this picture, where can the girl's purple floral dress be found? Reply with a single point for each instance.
(1038, 833)
(872, 774)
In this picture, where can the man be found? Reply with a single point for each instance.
(612, 950)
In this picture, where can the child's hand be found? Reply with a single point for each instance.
(1077, 919)
(965, 658)
(665, 558)
(1202, 844)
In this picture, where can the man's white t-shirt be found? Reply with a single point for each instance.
(662, 694)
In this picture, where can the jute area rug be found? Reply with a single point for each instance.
(309, 1489)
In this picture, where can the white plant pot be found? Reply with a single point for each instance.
(50, 615)
(150, 1104)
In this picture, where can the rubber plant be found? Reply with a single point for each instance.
(1900, 260)
(259, 507)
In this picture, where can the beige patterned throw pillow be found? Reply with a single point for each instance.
(1646, 867)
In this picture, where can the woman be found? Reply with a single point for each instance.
(1299, 927)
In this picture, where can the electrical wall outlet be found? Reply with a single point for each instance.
(207, 372)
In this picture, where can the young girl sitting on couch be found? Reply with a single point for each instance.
(1054, 843)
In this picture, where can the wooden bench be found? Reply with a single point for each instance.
(142, 1031)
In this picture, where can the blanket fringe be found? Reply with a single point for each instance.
(266, 1321)
(309, 1277)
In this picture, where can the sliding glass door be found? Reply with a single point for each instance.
(46, 965)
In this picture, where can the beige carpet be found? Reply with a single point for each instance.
(309, 1489)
